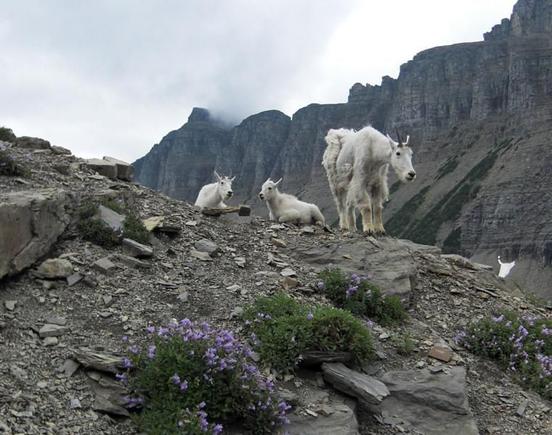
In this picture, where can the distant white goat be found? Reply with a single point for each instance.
(213, 195)
(356, 164)
(505, 268)
(283, 207)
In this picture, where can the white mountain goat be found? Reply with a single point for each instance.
(283, 207)
(356, 164)
(213, 195)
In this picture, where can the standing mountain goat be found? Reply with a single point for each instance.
(283, 207)
(212, 195)
(356, 164)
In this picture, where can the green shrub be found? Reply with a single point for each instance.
(404, 344)
(6, 135)
(188, 373)
(96, 231)
(93, 229)
(521, 345)
(133, 228)
(9, 167)
(282, 329)
(357, 295)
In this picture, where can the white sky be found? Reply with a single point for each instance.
(112, 77)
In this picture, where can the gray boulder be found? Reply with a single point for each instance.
(124, 169)
(103, 167)
(340, 419)
(30, 223)
(55, 268)
(429, 403)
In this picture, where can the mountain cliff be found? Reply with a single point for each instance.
(479, 115)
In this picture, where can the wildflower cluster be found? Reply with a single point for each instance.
(194, 379)
(522, 345)
(355, 293)
(281, 330)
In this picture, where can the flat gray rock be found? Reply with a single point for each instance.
(341, 420)
(430, 403)
(103, 167)
(205, 245)
(365, 388)
(136, 249)
(388, 261)
(50, 330)
(103, 265)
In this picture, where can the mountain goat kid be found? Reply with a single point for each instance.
(283, 207)
(356, 164)
(212, 195)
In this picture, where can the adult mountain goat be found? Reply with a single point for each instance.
(356, 164)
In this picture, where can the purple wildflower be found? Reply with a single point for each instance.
(151, 351)
(217, 429)
(150, 329)
(320, 285)
(351, 291)
(121, 377)
(183, 385)
(134, 349)
(124, 338)
(310, 316)
(355, 279)
(175, 379)
(498, 319)
(127, 364)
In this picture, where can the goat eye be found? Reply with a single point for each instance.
(398, 153)
(270, 188)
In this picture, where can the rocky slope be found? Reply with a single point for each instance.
(55, 314)
(479, 116)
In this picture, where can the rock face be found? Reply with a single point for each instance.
(31, 222)
(474, 112)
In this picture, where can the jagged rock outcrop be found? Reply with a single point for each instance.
(479, 115)
(31, 222)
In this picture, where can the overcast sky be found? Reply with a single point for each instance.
(112, 77)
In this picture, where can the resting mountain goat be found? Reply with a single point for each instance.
(212, 195)
(283, 207)
(356, 164)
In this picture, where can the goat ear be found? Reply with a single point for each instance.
(278, 182)
(392, 143)
(218, 176)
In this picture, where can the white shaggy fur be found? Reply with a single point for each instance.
(213, 195)
(283, 207)
(356, 164)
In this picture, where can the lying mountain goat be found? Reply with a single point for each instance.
(283, 207)
(212, 195)
(356, 164)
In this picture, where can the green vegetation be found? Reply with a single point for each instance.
(6, 135)
(520, 344)
(282, 329)
(94, 230)
(189, 378)
(356, 294)
(400, 221)
(452, 244)
(449, 166)
(404, 344)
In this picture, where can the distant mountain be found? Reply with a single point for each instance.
(480, 119)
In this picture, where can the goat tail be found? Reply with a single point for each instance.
(334, 141)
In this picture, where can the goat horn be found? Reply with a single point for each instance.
(398, 136)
